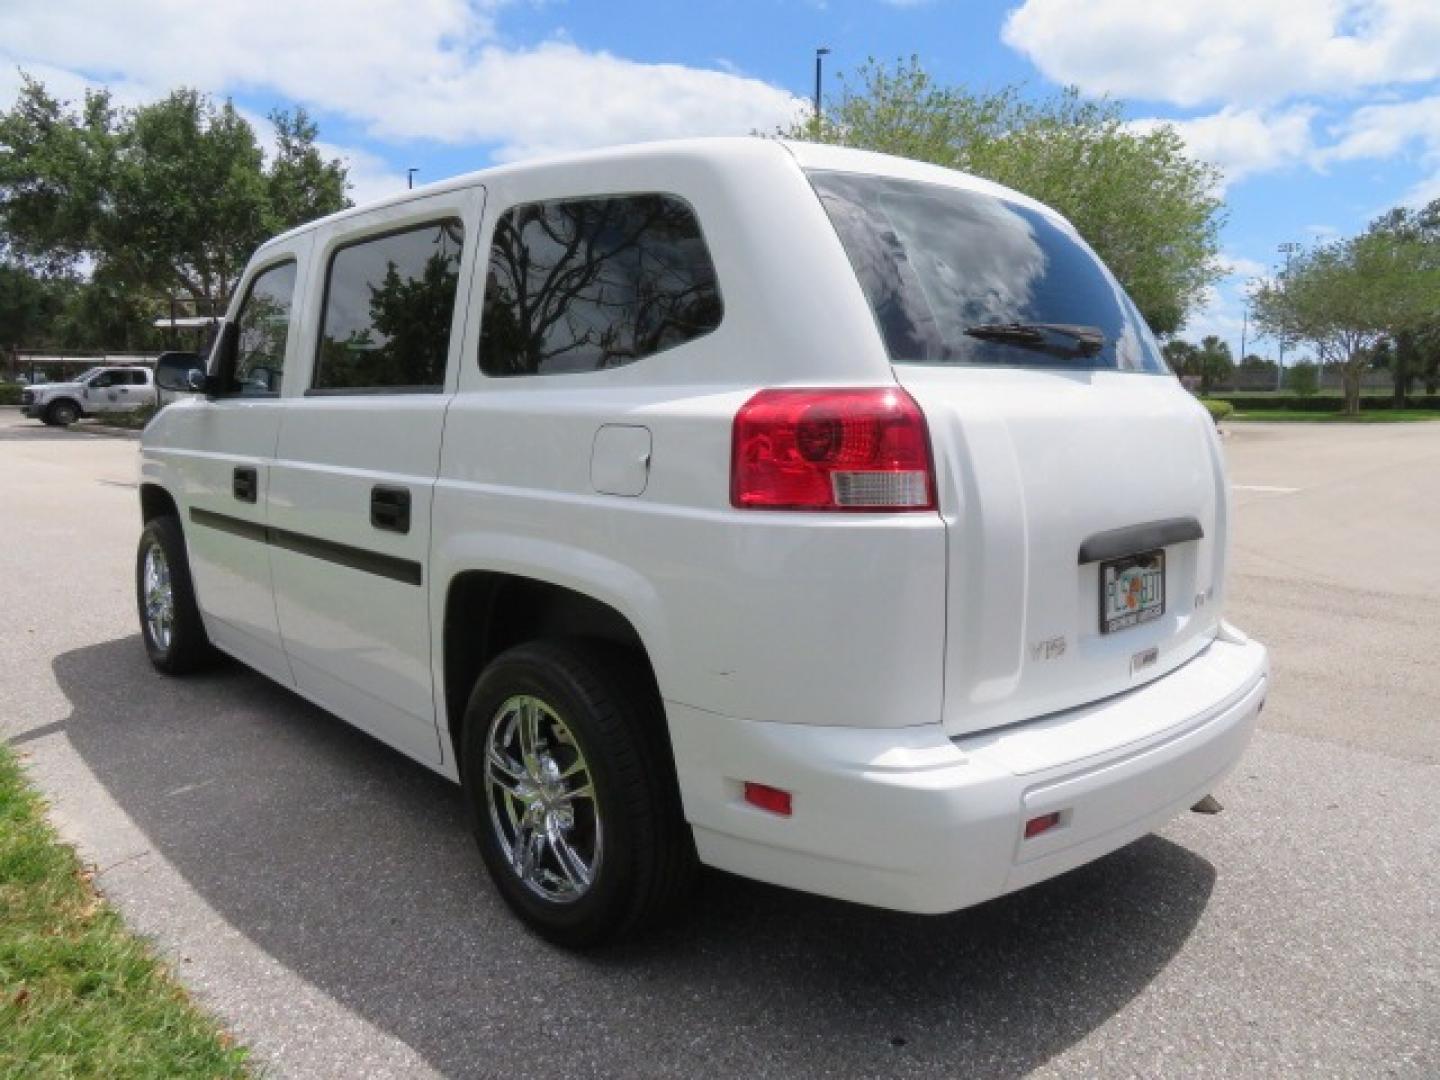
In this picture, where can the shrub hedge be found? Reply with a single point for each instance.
(1219, 410)
(1325, 404)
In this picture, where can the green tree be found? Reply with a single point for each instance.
(30, 306)
(1150, 211)
(1210, 362)
(1416, 352)
(1215, 361)
(1180, 355)
(1347, 297)
(1303, 379)
(166, 199)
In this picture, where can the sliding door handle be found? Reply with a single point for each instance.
(390, 508)
(246, 484)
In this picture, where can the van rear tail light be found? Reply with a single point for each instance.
(865, 449)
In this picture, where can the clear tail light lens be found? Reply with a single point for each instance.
(864, 449)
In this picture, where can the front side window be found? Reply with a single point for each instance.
(262, 328)
(587, 284)
(389, 303)
(960, 277)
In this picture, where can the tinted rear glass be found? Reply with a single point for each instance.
(935, 261)
(586, 284)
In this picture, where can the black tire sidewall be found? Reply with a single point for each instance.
(189, 647)
(55, 415)
(548, 671)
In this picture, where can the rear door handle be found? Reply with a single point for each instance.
(390, 508)
(245, 485)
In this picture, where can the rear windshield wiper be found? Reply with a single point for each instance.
(1061, 339)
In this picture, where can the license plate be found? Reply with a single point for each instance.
(1132, 591)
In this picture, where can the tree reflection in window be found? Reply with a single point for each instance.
(262, 327)
(389, 303)
(586, 284)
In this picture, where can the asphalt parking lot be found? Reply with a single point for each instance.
(322, 894)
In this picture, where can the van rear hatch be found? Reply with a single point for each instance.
(1082, 487)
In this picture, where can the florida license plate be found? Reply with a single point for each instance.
(1132, 591)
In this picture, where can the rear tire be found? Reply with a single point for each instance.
(170, 621)
(579, 870)
(62, 414)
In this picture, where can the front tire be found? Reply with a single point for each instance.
(62, 414)
(572, 793)
(170, 621)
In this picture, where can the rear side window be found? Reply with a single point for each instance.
(389, 302)
(262, 328)
(959, 277)
(137, 377)
(586, 284)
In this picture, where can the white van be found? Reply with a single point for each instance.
(821, 516)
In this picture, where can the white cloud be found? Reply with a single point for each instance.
(418, 69)
(1391, 129)
(1378, 131)
(1423, 193)
(1238, 266)
(371, 177)
(1245, 141)
(1236, 52)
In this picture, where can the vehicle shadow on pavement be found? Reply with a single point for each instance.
(354, 868)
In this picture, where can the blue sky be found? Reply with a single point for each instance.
(1322, 113)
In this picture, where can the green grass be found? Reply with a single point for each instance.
(80, 996)
(1379, 416)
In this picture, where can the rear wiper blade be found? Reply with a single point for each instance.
(1073, 339)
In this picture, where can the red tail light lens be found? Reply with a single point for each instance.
(862, 449)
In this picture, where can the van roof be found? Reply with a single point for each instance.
(808, 155)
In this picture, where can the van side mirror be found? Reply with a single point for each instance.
(176, 371)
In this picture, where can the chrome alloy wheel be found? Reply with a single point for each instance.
(542, 800)
(159, 597)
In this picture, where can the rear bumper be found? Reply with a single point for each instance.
(909, 819)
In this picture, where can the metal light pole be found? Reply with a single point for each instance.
(820, 54)
(1287, 249)
(410, 178)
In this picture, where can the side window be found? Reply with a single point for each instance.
(389, 301)
(262, 327)
(137, 377)
(103, 380)
(585, 284)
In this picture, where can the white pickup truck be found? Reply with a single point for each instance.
(96, 392)
(824, 517)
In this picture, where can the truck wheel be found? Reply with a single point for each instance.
(169, 617)
(572, 792)
(62, 413)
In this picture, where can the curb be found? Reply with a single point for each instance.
(107, 432)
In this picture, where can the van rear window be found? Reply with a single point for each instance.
(582, 285)
(959, 277)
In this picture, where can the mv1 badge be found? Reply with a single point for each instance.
(1049, 649)
(1143, 659)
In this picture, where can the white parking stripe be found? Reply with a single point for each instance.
(1264, 487)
